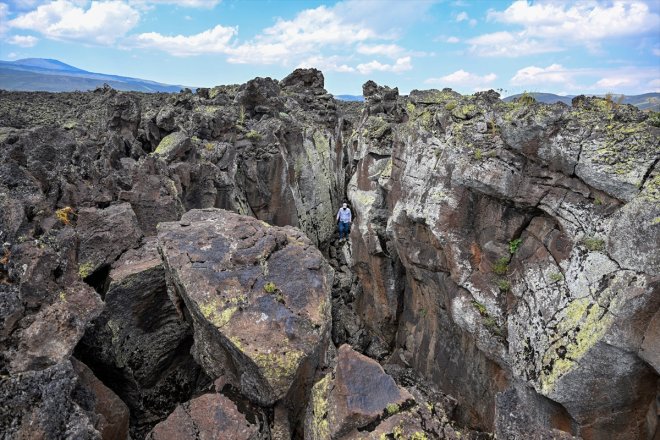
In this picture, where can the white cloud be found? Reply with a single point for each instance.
(388, 50)
(582, 80)
(580, 21)
(462, 16)
(531, 75)
(614, 82)
(656, 51)
(326, 64)
(464, 79)
(401, 65)
(23, 40)
(103, 23)
(506, 44)
(310, 30)
(453, 40)
(4, 10)
(215, 40)
(206, 4)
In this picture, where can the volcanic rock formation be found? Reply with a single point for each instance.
(169, 266)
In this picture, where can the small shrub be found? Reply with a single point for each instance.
(594, 244)
(478, 154)
(480, 307)
(65, 215)
(526, 99)
(270, 287)
(501, 266)
(241, 115)
(423, 312)
(654, 119)
(492, 326)
(504, 285)
(514, 245)
(598, 201)
(392, 408)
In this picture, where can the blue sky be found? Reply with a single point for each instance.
(565, 47)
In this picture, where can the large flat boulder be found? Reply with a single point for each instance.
(208, 417)
(258, 297)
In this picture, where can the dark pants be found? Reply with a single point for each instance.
(344, 229)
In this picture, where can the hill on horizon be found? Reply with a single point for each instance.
(49, 75)
(646, 101)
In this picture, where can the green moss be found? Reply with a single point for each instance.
(501, 266)
(270, 287)
(392, 408)
(85, 269)
(504, 285)
(62, 296)
(478, 154)
(593, 244)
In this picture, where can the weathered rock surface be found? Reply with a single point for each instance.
(358, 393)
(140, 343)
(208, 417)
(112, 422)
(258, 297)
(510, 244)
(507, 252)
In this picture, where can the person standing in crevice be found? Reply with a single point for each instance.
(344, 218)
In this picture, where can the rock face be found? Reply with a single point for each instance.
(208, 417)
(500, 251)
(258, 297)
(140, 343)
(357, 394)
(505, 253)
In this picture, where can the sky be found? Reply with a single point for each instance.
(555, 46)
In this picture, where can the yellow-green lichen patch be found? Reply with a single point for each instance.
(166, 144)
(85, 270)
(216, 314)
(387, 171)
(62, 296)
(322, 143)
(319, 398)
(279, 368)
(583, 323)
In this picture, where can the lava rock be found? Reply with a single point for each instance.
(208, 417)
(259, 298)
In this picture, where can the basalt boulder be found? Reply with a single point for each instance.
(258, 298)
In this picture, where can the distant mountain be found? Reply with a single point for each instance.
(41, 74)
(350, 97)
(646, 101)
